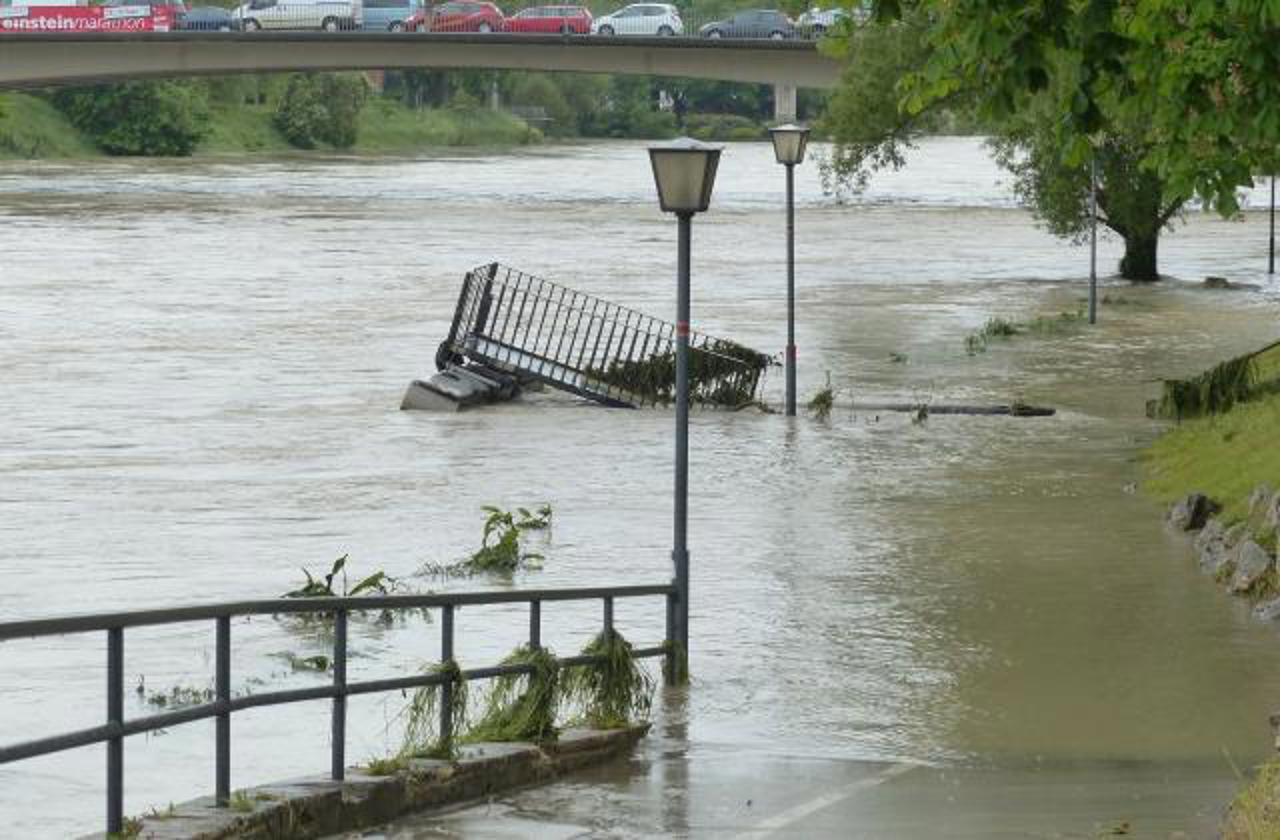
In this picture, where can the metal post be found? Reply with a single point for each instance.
(1271, 254)
(446, 689)
(535, 625)
(608, 616)
(222, 693)
(791, 291)
(115, 717)
(669, 671)
(338, 753)
(1093, 239)
(680, 554)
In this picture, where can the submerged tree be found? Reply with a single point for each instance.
(873, 126)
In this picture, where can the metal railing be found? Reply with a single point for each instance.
(588, 346)
(117, 727)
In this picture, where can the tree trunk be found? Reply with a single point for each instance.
(1139, 260)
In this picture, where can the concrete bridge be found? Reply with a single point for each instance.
(41, 59)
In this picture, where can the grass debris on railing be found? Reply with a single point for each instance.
(724, 375)
(522, 707)
(823, 401)
(613, 693)
(422, 735)
(1218, 389)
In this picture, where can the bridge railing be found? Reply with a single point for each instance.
(516, 17)
(116, 727)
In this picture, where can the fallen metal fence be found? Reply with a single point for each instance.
(587, 346)
(117, 727)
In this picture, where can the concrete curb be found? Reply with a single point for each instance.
(315, 806)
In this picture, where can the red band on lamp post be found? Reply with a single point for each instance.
(682, 328)
(791, 351)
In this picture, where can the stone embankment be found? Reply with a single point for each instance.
(1239, 555)
(319, 806)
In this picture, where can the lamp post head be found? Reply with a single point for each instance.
(684, 171)
(789, 142)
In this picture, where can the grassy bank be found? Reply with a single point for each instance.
(1224, 455)
(32, 128)
(1255, 813)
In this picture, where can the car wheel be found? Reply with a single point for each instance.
(605, 30)
(715, 33)
(484, 27)
(777, 36)
(665, 31)
(397, 26)
(251, 25)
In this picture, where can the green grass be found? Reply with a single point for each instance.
(386, 127)
(1223, 456)
(32, 128)
(1255, 812)
(237, 129)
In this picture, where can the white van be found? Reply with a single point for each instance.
(328, 15)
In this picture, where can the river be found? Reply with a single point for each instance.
(202, 364)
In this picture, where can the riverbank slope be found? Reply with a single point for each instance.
(32, 128)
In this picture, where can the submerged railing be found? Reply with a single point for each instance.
(588, 346)
(117, 728)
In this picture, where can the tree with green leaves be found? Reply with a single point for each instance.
(322, 109)
(139, 118)
(1200, 77)
(873, 127)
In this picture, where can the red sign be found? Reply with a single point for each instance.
(85, 19)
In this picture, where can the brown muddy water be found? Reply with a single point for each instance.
(201, 368)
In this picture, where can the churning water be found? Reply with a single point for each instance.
(200, 369)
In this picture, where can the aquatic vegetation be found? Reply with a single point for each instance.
(822, 403)
(614, 692)
(899, 358)
(378, 582)
(177, 697)
(522, 707)
(501, 550)
(1002, 328)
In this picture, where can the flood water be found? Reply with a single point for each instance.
(201, 365)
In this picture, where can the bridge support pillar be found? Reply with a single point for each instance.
(784, 103)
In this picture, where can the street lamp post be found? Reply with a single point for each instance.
(684, 171)
(1093, 238)
(1271, 253)
(789, 143)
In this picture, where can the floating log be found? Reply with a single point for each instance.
(1011, 410)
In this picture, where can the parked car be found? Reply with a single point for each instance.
(815, 22)
(570, 20)
(328, 15)
(458, 16)
(753, 23)
(389, 15)
(640, 19)
(206, 19)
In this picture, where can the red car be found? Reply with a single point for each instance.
(457, 16)
(566, 19)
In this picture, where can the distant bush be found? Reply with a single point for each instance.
(723, 127)
(139, 118)
(322, 109)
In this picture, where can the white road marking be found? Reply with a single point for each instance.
(798, 812)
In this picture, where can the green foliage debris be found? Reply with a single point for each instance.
(614, 692)
(522, 707)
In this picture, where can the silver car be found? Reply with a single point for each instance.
(640, 19)
(328, 15)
